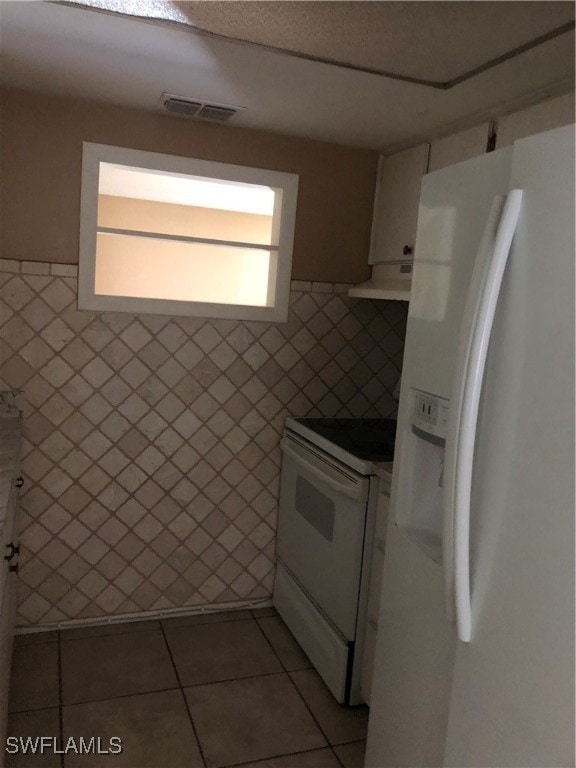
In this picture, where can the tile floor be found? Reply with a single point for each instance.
(227, 689)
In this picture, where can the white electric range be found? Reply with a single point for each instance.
(325, 532)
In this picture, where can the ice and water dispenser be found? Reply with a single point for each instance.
(420, 496)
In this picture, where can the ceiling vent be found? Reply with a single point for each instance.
(202, 110)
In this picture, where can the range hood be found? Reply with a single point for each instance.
(389, 281)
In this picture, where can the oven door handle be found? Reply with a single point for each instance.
(353, 489)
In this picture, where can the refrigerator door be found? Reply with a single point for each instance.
(415, 644)
(473, 344)
(512, 700)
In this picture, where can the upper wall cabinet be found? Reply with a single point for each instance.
(396, 205)
(460, 146)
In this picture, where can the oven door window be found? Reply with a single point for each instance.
(315, 507)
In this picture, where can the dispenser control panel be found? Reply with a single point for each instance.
(430, 414)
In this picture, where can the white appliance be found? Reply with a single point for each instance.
(326, 524)
(475, 648)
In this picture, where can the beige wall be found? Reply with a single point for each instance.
(41, 162)
(147, 268)
(188, 220)
(176, 271)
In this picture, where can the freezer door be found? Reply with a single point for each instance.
(512, 700)
(455, 226)
(455, 204)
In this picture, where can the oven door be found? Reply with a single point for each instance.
(321, 529)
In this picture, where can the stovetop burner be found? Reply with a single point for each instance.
(368, 439)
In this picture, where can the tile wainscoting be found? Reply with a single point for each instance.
(151, 451)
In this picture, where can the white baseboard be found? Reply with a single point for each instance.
(146, 615)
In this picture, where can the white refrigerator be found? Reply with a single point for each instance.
(474, 662)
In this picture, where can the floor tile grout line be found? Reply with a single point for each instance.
(28, 711)
(299, 693)
(336, 755)
(347, 743)
(297, 690)
(155, 690)
(270, 643)
(181, 688)
(235, 679)
(208, 623)
(284, 667)
(313, 716)
(273, 615)
(119, 696)
(289, 673)
(203, 623)
(284, 673)
(276, 757)
(333, 750)
(60, 710)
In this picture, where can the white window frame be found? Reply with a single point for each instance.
(284, 184)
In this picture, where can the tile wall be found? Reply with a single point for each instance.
(151, 449)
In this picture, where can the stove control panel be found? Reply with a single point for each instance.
(430, 415)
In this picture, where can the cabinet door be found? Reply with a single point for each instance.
(396, 204)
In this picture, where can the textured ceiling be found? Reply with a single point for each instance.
(102, 55)
(433, 42)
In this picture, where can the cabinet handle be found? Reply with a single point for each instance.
(14, 550)
(13, 568)
(19, 482)
(407, 250)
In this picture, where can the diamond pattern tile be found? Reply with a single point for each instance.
(151, 446)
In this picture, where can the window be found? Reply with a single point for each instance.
(174, 235)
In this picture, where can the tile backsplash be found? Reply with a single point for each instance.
(151, 450)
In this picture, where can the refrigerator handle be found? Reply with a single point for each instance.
(451, 455)
(473, 344)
